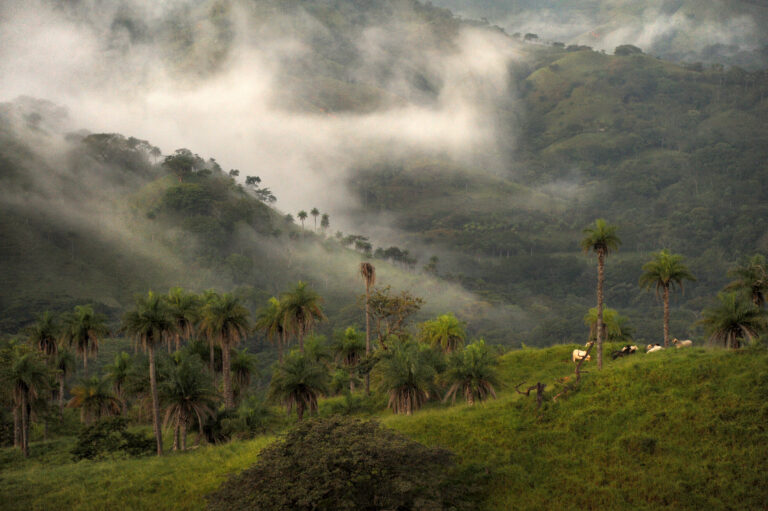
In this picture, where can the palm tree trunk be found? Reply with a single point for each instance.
(155, 404)
(16, 427)
(61, 395)
(600, 280)
(300, 410)
(666, 316)
(211, 365)
(24, 426)
(229, 398)
(367, 337)
(176, 436)
(301, 338)
(85, 363)
(280, 344)
(183, 432)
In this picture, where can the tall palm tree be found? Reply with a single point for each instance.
(349, 347)
(302, 310)
(93, 397)
(471, 372)
(615, 326)
(271, 321)
(446, 332)
(44, 333)
(302, 215)
(315, 213)
(406, 375)
(751, 277)
(185, 310)
(209, 296)
(663, 272)
(225, 320)
(118, 373)
(149, 323)
(368, 272)
(733, 320)
(187, 395)
(65, 366)
(84, 328)
(325, 222)
(298, 382)
(243, 368)
(27, 377)
(601, 239)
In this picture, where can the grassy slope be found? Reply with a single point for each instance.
(684, 430)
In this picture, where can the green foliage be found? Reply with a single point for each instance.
(472, 373)
(616, 327)
(107, 437)
(406, 373)
(733, 320)
(347, 464)
(664, 271)
(298, 382)
(445, 332)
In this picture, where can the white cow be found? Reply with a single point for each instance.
(580, 355)
(653, 347)
(682, 344)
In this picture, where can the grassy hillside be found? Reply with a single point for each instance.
(677, 429)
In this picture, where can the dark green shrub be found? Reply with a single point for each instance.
(347, 464)
(108, 437)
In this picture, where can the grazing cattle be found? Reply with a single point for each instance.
(682, 344)
(653, 347)
(580, 355)
(623, 352)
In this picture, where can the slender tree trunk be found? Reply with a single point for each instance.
(300, 410)
(178, 342)
(211, 365)
(229, 398)
(351, 384)
(470, 398)
(666, 316)
(85, 364)
(155, 404)
(176, 436)
(24, 426)
(600, 280)
(367, 337)
(301, 338)
(183, 432)
(280, 344)
(61, 395)
(16, 427)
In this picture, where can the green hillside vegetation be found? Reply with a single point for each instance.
(676, 428)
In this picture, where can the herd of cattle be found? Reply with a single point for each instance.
(629, 350)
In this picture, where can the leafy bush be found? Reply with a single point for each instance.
(347, 464)
(108, 437)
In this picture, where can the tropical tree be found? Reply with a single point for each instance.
(302, 215)
(616, 327)
(301, 309)
(298, 382)
(446, 332)
(325, 222)
(44, 333)
(752, 278)
(348, 347)
(471, 372)
(118, 373)
(225, 320)
(406, 375)
(27, 376)
(187, 395)
(208, 297)
(243, 367)
(65, 366)
(315, 213)
(733, 320)
(185, 311)
(368, 273)
(84, 328)
(271, 321)
(94, 399)
(665, 271)
(601, 239)
(150, 323)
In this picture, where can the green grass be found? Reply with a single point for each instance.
(682, 429)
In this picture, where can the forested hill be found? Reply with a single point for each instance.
(673, 154)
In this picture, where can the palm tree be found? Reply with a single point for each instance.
(271, 321)
(751, 277)
(325, 222)
(601, 239)
(43, 334)
(733, 320)
(84, 328)
(471, 371)
(65, 366)
(615, 326)
(150, 323)
(210, 296)
(187, 394)
(225, 320)
(302, 310)
(446, 331)
(406, 375)
(368, 272)
(663, 272)
(349, 347)
(302, 216)
(298, 382)
(185, 310)
(118, 373)
(93, 397)
(315, 213)
(27, 378)
(243, 367)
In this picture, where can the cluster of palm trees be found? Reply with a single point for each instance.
(325, 219)
(738, 316)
